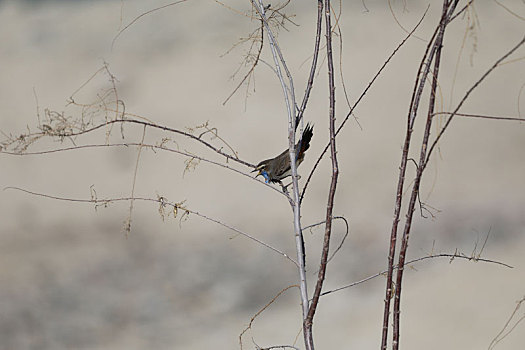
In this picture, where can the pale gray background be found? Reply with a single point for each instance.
(69, 277)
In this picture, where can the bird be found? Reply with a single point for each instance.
(276, 169)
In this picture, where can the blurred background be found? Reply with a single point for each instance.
(71, 278)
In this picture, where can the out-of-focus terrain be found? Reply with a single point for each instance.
(70, 278)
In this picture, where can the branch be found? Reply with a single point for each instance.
(448, 9)
(164, 128)
(347, 231)
(140, 16)
(502, 334)
(157, 147)
(289, 97)
(249, 326)
(432, 256)
(139, 152)
(162, 202)
(333, 183)
(310, 83)
(481, 116)
(252, 68)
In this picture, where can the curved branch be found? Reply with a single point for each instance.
(132, 144)
(151, 125)
(310, 83)
(140, 16)
(482, 116)
(162, 202)
(432, 256)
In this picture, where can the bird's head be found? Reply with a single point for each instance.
(261, 170)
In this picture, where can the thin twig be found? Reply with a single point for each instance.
(249, 326)
(140, 16)
(313, 67)
(408, 263)
(151, 146)
(482, 116)
(501, 335)
(161, 201)
(252, 68)
(139, 152)
(308, 322)
(289, 98)
(347, 231)
(155, 126)
(448, 9)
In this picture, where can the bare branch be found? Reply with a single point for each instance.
(150, 146)
(408, 263)
(502, 334)
(162, 201)
(482, 116)
(347, 231)
(82, 131)
(262, 310)
(139, 151)
(140, 16)
(308, 322)
(448, 9)
(313, 67)
(252, 67)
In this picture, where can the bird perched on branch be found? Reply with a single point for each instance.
(276, 169)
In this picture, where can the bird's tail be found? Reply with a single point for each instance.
(304, 142)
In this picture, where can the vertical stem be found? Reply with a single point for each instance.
(419, 172)
(422, 74)
(310, 83)
(418, 90)
(333, 184)
(289, 97)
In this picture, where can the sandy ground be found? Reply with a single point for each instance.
(71, 279)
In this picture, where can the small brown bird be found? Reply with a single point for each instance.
(276, 169)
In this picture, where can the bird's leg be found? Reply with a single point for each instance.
(298, 178)
(283, 187)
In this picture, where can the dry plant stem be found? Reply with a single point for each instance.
(419, 172)
(140, 16)
(252, 320)
(310, 83)
(482, 116)
(161, 201)
(333, 183)
(502, 334)
(282, 347)
(161, 127)
(408, 263)
(421, 167)
(150, 146)
(288, 91)
(347, 231)
(134, 182)
(251, 70)
(418, 89)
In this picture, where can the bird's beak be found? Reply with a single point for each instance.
(257, 169)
